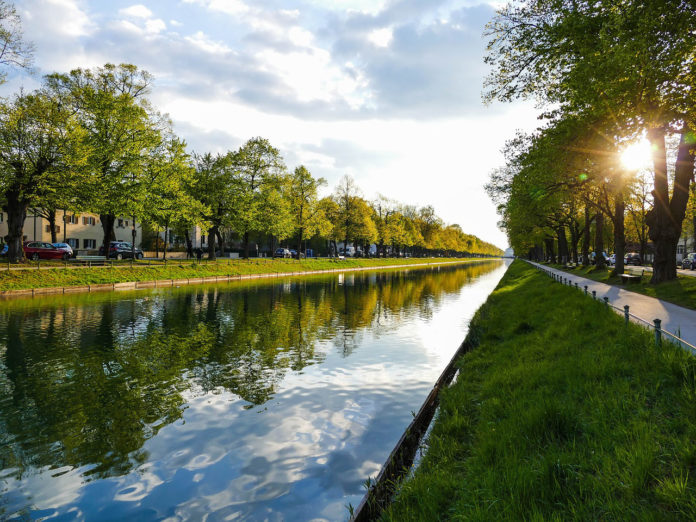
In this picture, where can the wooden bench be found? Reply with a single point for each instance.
(634, 274)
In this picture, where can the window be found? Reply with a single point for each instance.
(89, 221)
(202, 239)
(120, 223)
(74, 243)
(2, 217)
(48, 228)
(71, 219)
(126, 222)
(681, 249)
(89, 243)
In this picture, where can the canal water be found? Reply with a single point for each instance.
(246, 401)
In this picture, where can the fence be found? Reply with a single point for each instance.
(656, 324)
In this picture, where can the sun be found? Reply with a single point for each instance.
(637, 156)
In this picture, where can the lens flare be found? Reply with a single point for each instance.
(637, 156)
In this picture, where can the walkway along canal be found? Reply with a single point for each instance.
(262, 400)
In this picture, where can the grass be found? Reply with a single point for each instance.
(182, 269)
(681, 291)
(560, 412)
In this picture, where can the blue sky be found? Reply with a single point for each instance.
(386, 91)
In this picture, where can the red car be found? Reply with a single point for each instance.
(39, 250)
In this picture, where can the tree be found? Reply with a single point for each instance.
(168, 201)
(121, 130)
(346, 196)
(41, 152)
(14, 51)
(215, 190)
(304, 203)
(627, 59)
(256, 164)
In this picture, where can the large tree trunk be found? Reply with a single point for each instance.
(107, 223)
(299, 242)
(189, 244)
(51, 218)
(166, 242)
(574, 240)
(666, 217)
(550, 254)
(599, 242)
(562, 245)
(586, 238)
(16, 215)
(221, 242)
(619, 233)
(212, 233)
(246, 245)
(134, 234)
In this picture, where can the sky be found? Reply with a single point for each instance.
(386, 91)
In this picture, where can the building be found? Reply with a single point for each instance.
(83, 231)
(685, 246)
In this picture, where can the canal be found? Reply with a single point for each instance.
(245, 401)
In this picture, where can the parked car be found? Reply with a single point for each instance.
(121, 250)
(36, 250)
(4, 250)
(282, 252)
(612, 260)
(633, 258)
(593, 256)
(347, 252)
(65, 248)
(689, 261)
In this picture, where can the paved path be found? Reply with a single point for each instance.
(680, 271)
(675, 319)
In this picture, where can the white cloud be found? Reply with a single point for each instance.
(318, 84)
(231, 7)
(204, 43)
(136, 11)
(155, 26)
(381, 37)
(66, 17)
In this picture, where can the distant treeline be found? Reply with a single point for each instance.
(91, 141)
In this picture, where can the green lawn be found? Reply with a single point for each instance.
(560, 412)
(182, 269)
(682, 291)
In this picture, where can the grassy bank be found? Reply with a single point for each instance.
(560, 412)
(141, 271)
(681, 291)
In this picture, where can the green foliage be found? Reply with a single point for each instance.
(625, 63)
(41, 158)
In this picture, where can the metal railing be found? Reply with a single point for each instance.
(656, 324)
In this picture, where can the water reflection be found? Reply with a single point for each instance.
(250, 400)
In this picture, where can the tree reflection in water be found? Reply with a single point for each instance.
(86, 380)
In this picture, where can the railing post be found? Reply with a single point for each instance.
(626, 313)
(576, 285)
(658, 332)
(606, 302)
(594, 294)
(585, 289)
